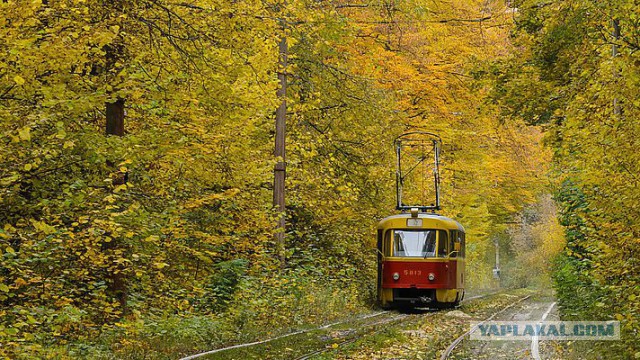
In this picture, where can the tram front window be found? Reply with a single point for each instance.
(412, 243)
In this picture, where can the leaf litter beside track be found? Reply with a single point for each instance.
(295, 346)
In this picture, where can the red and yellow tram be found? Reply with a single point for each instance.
(420, 260)
(420, 254)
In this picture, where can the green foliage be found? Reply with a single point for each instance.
(223, 283)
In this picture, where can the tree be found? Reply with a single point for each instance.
(566, 77)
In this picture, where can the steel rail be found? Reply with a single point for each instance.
(355, 338)
(459, 339)
(280, 337)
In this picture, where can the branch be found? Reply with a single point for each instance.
(444, 21)
(7, 92)
(351, 6)
(190, 6)
(441, 21)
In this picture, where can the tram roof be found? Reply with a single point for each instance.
(433, 221)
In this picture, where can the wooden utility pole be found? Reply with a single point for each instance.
(280, 169)
(496, 269)
(614, 52)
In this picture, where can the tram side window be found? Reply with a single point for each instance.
(386, 244)
(398, 248)
(443, 240)
(452, 239)
(462, 241)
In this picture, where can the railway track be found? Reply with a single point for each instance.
(374, 330)
(239, 346)
(445, 355)
(368, 328)
(536, 310)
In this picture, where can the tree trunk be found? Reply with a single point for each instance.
(115, 118)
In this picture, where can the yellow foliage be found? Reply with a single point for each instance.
(101, 230)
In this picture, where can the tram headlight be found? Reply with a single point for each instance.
(432, 276)
(396, 276)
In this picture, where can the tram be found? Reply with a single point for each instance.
(421, 255)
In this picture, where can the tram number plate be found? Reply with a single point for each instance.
(414, 222)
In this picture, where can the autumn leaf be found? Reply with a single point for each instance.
(25, 134)
(18, 80)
